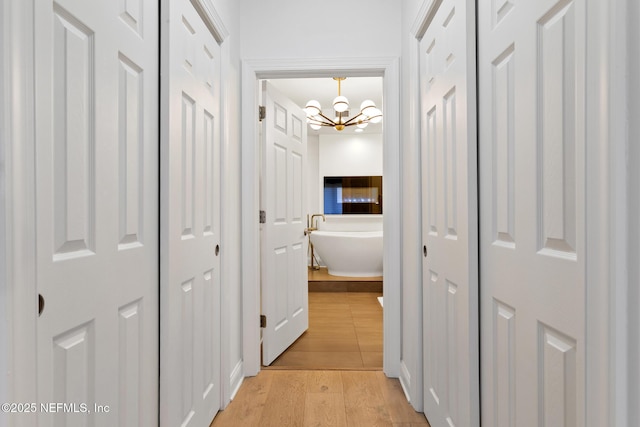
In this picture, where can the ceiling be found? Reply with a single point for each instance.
(324, 89)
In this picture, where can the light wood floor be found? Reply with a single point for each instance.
(319, 398)
(345, 332)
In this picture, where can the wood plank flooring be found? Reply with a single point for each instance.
(319, 398)
(345, 332)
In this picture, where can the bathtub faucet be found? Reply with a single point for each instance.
(315, 216)
(310, 226)
(308, 231)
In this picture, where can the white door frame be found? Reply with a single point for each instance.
(17, 189)
(252, 70)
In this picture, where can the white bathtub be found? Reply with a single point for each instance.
(350, 253)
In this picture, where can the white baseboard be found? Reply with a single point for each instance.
(236, 378)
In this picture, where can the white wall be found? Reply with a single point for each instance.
(313, 187)
(347, 155)
(633, 16)
(299, 29)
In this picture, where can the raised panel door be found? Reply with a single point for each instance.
(190, 248)
(449, 230)
(96, 76)
(532, 164)
(284, 246)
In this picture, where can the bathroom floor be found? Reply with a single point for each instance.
(345, 332)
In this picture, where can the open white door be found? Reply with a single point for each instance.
(190, 222)
(96, 68)
(449, 215)
(285, 298)
(532, 162)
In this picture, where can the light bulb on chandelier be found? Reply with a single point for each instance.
(369, 113)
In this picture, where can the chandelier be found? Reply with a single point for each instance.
(368, 113)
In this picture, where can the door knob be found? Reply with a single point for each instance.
(424, 250)
(217, 249)
(40, 305)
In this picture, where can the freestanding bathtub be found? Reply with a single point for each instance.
(350, 253)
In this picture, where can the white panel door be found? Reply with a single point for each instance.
(532, 164)
(97, 210)
(449, 216)
(190, 252)
(285, 298)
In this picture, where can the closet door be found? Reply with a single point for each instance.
(532, 185)
(190, 247)
(96, 76)
(449, 215)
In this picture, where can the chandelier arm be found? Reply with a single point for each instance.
(350, 121)
(327, 120)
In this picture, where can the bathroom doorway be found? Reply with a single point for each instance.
(343, 185)
(253, 72)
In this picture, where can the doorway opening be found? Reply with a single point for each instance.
(344, 174)
(253, 72)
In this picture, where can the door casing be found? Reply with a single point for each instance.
(254, 70)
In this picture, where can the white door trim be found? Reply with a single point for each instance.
(606, 288)
(18, 207)
(252, 70)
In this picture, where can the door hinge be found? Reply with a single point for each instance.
(262, 112)
(263, 321)
(263, 217)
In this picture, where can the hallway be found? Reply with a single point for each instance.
(319, 398)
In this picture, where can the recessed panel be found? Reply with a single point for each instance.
(298, 180)
(556, 131)
(557, 391)
(433, 164)
(449, 38)
(280, 117)
(131, 14)
(503, 159)
(500, 8)
(434, 366)
(74, 179)
(431, 63)
(188, 45)
(130, 364)
(280, 179)
(131, 146)
(187, 320)
(208, 169)
(449, 139)
(299, 287)
(440, 298)
(452, 349)
(209, 327)
(74, 372)
(210, 71)
(187, 178)
(280, 269)
(296, 130)
(504, 364)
